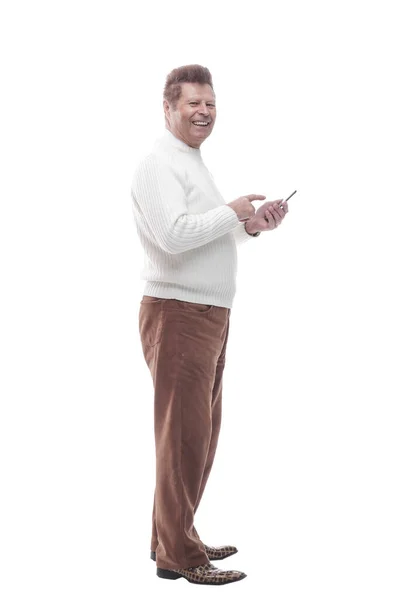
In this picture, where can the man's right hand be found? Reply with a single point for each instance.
(243, 207)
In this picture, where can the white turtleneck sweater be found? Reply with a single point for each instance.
(188, 233)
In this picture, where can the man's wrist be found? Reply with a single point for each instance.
(257, 233)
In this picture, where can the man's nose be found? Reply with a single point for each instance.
(204, 109)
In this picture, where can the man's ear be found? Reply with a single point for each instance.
(166, 109)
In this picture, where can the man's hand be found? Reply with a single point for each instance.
(243, 207)
(267, 217)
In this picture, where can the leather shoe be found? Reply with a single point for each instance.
(204, 574)
(213, 552)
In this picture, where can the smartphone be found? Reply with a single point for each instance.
(290, 196)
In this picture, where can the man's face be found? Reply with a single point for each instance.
(196, 105)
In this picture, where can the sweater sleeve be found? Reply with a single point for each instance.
(160, 194)
(240, 234)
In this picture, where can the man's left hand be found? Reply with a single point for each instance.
(267, 217)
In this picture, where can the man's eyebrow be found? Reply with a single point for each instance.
(197, 99)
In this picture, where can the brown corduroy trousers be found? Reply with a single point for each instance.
(184, 345)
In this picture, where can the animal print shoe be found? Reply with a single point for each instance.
(219, 552)
(213, 553)
(204, 574)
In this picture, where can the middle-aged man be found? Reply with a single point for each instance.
(189, 236)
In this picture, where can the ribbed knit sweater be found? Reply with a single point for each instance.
(188, 233)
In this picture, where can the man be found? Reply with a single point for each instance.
(189, 235)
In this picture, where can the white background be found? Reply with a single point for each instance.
(306, 478)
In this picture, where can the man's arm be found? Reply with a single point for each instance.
(241, 235)
(161, 197)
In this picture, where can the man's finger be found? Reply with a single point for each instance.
(279, 210)
(252, 197)
(276, 215)
(284, 206)
(270, 219)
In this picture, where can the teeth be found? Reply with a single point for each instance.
(200, 123)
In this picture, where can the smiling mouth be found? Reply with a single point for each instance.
(201, 123)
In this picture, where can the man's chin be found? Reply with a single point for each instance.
(203, 134)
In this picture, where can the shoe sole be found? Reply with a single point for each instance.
(153, 556)
(167, 574)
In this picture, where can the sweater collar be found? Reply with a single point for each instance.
(170, 139)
